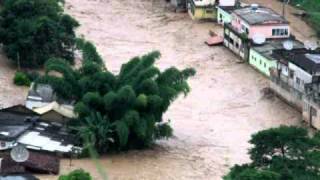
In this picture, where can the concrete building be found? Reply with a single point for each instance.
(202, 9)
(296, 79)
(237, 42)
(261, 55)
(224, 14)
(256, 20)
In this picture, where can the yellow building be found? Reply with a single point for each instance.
(202, 9)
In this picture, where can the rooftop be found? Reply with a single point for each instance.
(260, 15)
(41, 93)
(267, 48)
(35, 133)
(305, 59)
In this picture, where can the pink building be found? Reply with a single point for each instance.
(260, 21)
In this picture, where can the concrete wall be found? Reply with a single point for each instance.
(223, 16)
(261, 63)
(290, 96)
(311, 113)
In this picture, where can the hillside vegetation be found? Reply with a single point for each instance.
(312, 7)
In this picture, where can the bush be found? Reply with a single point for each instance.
(32, 31)
(78, 174)
(21, 79)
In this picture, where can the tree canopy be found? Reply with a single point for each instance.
(32, 31)
(118, 111)
(281, 153)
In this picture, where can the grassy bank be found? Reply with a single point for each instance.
(312, 8)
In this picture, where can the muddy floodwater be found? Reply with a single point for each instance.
(212, 124)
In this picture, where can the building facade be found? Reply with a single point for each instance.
(257, 20)
(261, 55)
(237, 42)
(202, 9)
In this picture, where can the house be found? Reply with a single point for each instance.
(29, 130)
(12, 125)
(253, 25)
(202, 9)
(237, 42)
(260, 56)
(55, 112)
(224, 14)
(39, 95)
(295, 69)
(257, 20)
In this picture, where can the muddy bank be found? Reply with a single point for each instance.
(213, 123)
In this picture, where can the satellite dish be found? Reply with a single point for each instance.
(288, 45)
(259, 39)
(311, 45)
(19, 154)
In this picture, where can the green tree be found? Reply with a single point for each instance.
(33, 31)
(77, 174)
(118, 111)
(286, 151)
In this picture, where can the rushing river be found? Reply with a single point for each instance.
(213, 123)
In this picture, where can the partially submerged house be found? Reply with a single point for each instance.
(202, 9)
(225, 9)
(296, 69)
(260, 56)
(28, 129)
(253, 25)
(39, 95)
(54, 112)
(224, 14)
(180, 5)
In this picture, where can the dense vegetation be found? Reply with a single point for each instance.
(312, 8)
(32, 31)
(77, 174)
(284, 153)
(21, 79)
(118, 111)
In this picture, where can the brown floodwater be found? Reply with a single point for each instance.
(211, 125)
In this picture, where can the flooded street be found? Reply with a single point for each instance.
(212, 124)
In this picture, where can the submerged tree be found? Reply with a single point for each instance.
(33, 31)
(281, 153)
(119, 111)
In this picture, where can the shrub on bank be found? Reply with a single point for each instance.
(21, 79)
(77, 174)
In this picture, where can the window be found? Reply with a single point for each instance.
(280, 32)
(237, 45)
(298, 81)
(260, 62)
(209, 11)
(265, 65)
(291, 74)
(231, 41)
